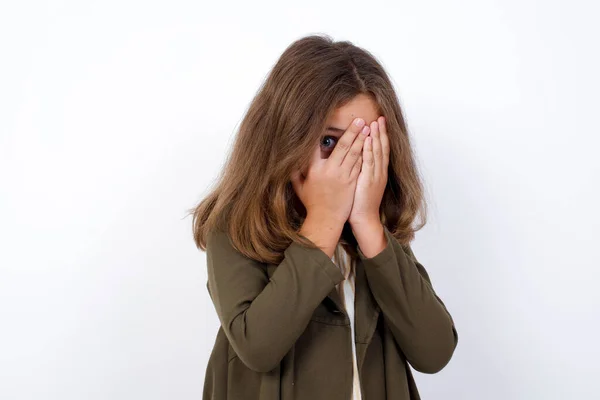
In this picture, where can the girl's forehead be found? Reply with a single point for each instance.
(362, 106)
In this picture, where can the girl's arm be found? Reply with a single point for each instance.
(263, 318)
(417, 317)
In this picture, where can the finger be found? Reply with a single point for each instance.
(368, 161)
(357, 167)
(376, 144)
(355, 150)
(345, 143)
(385, 142)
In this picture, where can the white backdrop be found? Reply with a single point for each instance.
(116, 117)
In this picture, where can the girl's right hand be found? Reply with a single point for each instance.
(327, 190)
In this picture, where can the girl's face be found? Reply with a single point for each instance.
(362, 106)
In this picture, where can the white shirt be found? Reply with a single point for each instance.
(346, 290)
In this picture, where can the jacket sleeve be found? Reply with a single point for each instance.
(416, 316)
(261, 317)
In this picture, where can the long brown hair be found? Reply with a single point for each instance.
(254, 201)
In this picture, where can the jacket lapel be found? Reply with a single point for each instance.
(366, 309)
(366, 314)
(334, 302)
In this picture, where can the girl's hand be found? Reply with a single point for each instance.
(373, 176)
(327, 190)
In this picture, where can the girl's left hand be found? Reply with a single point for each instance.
(373, 176)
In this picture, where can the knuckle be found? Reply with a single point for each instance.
(343, 145)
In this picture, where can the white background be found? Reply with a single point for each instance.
(116, 116)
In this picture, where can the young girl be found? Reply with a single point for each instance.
(307, 237)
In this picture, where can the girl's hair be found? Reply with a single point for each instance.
(254, 201)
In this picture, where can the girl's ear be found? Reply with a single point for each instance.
(297, 179)
(297, 183)
(300, 172)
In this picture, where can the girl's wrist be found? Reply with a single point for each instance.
(323, 232)
(365, 222)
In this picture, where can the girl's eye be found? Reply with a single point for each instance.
(328, 142)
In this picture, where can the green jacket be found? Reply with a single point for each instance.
(284, 334)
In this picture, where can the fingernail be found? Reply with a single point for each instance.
(359, 122)
(365, 130)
